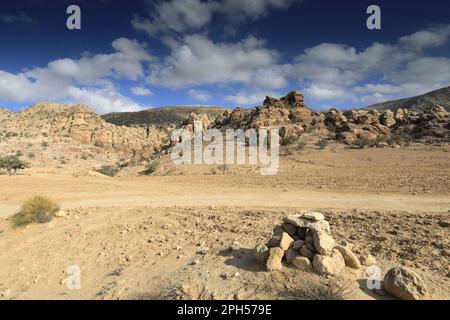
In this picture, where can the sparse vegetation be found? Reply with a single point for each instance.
(151, 168)
(289, 139)
(334, 290)
(44, 144)
(108, 170)
(36, 210)
(12, 163)
(301, 145)
(322, 143)
(400, 139)
(364, 143)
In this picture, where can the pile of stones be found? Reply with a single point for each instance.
(305, 242)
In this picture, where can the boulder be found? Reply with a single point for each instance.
(404, 284)
(301, 263)
(286, 241)
(323, 242)
(350, 259)
(329, 265)
(367, 259)
(274, 260)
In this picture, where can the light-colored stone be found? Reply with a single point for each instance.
(261, 253)
(351, 260)
(323, 242)
(329, 265)
(274, 260)
(405, 284)
(301, 263)
(299, 221)
(367, 259)
(290, 254)
(286, 241)
(314, 216)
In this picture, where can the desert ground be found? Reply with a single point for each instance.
(189, 231)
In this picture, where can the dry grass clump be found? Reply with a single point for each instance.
(36, 210)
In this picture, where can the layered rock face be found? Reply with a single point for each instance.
(291, 115)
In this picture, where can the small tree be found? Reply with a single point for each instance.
(12, 163)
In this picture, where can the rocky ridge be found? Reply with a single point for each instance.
(362, 127)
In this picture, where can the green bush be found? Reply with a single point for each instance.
(12, 163)
(108, 170)
(36, 210)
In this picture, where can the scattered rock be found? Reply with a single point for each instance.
(60, 214)
(350, 259)
(404, 284)
(367, 259)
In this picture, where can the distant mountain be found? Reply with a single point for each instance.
(419, 103)
(159, 116)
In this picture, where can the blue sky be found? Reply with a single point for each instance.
(138, 54)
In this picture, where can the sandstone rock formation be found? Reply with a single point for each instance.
(293, 118)
(77, 125)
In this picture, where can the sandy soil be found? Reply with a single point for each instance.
(147, 237)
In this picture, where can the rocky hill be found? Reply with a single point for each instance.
(51, 131)
(418, 103)
(360, 127)
(161, 117)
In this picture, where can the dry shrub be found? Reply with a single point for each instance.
(36, 210)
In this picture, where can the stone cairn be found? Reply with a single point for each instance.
(305, 242)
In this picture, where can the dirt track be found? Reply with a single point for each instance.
(137, 237)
